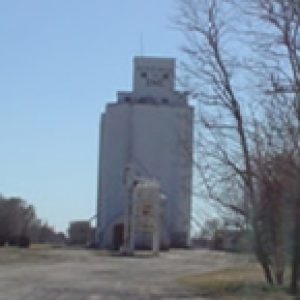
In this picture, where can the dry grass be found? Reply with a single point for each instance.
(245, 282)
(45, 253)
(35, 254)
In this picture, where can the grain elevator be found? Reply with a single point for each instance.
(150, 128)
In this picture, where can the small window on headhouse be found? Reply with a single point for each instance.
(166, 76)
(165, 100)
(144, 74)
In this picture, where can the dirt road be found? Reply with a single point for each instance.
(87, 275)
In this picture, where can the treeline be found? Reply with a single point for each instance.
(20, 226)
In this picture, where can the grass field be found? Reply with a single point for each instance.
(245, 282)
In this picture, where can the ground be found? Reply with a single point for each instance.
(243, 282)
(64, 274)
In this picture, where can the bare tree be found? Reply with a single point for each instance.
(223, 140)
(278, 43)
(229, 80)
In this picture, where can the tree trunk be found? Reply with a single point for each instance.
(279, 260)
(261, 255)
(279, 277)
(267, 272)
(296, 250)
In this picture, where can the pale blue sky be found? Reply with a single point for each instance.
(61, 61)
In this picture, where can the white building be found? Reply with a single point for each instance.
(151, 129)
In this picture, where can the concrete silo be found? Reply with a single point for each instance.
(150, 128)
